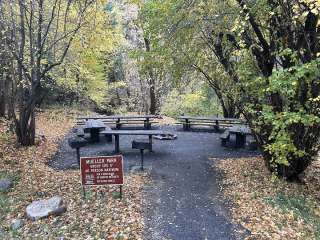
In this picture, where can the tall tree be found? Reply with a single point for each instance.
(269, 53)
(42, 34)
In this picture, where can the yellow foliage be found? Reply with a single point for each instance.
(85, 70)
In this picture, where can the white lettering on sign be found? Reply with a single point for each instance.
(102, 170)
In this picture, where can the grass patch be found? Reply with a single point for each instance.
(300, 207)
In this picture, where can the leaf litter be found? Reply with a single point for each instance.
(100, 215)
(268, 207)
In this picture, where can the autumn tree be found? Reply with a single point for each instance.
(268, 54)
(179, 33)
(42, 32)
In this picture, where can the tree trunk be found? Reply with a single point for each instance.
(152, 92)
(25, 127)
(25, 124)
(153, 102)
(2, 97)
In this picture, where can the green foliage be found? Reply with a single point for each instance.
(196, 103)
(287, 81)
(246, 56)
(84, 74)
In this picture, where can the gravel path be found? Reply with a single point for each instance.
(183, 200)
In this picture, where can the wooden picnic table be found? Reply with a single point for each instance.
(117, 134)
(189, 120)
(119, 120)
(94, 126)
(241, 133)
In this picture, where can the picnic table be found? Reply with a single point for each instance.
(187, 121)
(117, 134)
(241, 133)
(94, 126)
(119, 120)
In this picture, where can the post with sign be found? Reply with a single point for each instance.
(102, 170)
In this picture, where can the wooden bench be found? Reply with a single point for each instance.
(149, 133)
(95, 127)
(118, 121)
(108, 136)
(77, 143)
(142, 145)
(80, 132)
(146, 125)
(240, 132)
(225, 137)
(216, 122)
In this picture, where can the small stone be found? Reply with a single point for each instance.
(41, 194)
(16, 224)
(44, 208)
(5, 184)
(57, 223)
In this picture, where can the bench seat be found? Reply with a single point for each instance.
(80, 132)
(224, 138)
(122, 122)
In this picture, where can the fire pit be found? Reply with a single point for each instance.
(165, 137)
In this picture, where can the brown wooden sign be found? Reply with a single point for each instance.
(102, 170)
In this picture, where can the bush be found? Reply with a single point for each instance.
(195, 104)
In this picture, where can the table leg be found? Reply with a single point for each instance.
(150, 141)
(116, 143)
(118, 124)
(95, 135)
(147, 124)
(240, 140)
(186, 125)
(216, 127)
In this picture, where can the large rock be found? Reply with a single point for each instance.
(44, 208)
(5, 184)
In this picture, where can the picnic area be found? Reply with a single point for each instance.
(160, 120)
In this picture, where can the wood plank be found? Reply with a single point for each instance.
(120, 117)
(135, 132)
(221, 119)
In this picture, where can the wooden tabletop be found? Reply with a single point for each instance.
(211, 118)
(94, 124)
(121, 117)
(240, 129)
(135, 132)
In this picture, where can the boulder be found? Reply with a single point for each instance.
(44, 208)
(17, 224)
(5, 184)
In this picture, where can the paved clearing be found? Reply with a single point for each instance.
(183, 200)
